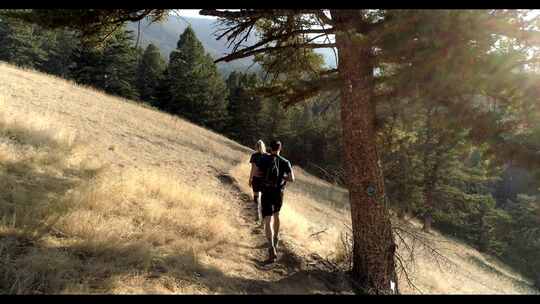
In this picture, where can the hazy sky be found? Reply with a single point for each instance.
(193, 13)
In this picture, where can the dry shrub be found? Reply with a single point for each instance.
(343, 253)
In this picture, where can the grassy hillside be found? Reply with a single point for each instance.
(101, 195)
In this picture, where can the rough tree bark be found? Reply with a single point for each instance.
(430, 171)
(430, 182)
(428, 203)
(373, 240)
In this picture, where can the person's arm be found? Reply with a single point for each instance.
(251, 173)
(290, 173)
(251, 162)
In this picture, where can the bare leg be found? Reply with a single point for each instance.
(268, 229)
(259, 207)
(276, 229)
(269, 235)
(257, 201)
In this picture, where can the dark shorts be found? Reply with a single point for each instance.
(271, 202)
(256, 184)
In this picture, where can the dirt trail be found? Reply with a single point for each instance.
(295, 270)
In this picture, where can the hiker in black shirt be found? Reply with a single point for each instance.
(272, 193)
(255, 176)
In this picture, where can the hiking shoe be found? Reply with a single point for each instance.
(272, 256)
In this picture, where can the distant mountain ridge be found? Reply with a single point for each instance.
(165, 36)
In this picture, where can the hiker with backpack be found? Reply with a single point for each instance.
(277, 172)
(256, 176)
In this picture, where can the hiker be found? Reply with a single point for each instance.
(255, 177)
(277, 172)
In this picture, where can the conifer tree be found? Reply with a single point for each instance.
(149, 71)
(59, 51)
(163, 91)
(119, 59)
(111, 68)
(245, 109)
(197, 90)
(21, 43)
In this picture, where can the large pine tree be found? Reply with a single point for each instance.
(163, 91)
(59, 51)
(111, 68)
(120, 61)
(245, 121)
(22, 43)
(149, 71)
(197, 90)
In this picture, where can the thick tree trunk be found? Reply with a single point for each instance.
(430, 181)
(428, 220)
(374, 246)
(428, 203)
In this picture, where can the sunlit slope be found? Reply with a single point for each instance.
(102, 195)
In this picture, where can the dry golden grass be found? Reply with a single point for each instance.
(463, 270)
(84, 211)
(101, 195)
(76, 222)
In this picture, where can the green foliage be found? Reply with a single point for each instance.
(120, 61)
(197, 90)
(415, 141)
(524, 235)
(163, 90)
(111, 68)
(22, 44)
(244, 108)
(149, 72)
(291, 63)
(59, 51)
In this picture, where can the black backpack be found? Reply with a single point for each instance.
(271, 174)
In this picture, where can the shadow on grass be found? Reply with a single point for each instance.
(33, 190)
(30, 194)
(33, 267)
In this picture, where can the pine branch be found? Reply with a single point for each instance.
(301, 90)
(323, 18)
(241, 54)
(241, 23)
